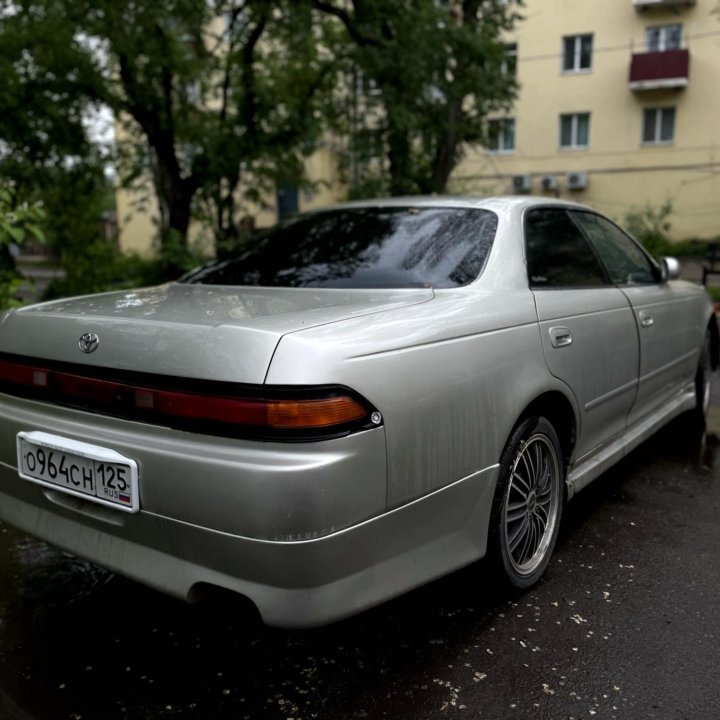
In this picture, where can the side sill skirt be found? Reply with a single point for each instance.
(582, 475)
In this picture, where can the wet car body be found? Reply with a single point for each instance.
(447, 388)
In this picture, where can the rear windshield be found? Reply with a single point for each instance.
(396, 247)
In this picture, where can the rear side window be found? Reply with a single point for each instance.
(625, 262)
(364, 247)
(558, 254)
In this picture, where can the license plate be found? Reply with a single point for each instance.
(88, 471)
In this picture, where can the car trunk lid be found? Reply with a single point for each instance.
(192, 331)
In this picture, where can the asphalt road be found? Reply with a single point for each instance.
(626, 624)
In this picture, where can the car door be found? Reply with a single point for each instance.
(587, 325)
(668, 342)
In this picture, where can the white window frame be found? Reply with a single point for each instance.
(659, 111)
(574, 123)
(503, 135)
(577, 53)
(511, 51)
(664, 36)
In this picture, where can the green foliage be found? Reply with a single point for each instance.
(690, 248)
(650, 226)
(219, 102)
(212, 96)
(101, 267)
(18, 222)
(714, 292)
(97, 265)
(176, 259)
(41, 96)
(420, 79)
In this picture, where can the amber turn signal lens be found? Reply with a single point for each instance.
(313, 413)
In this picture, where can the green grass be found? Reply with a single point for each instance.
(714, 292)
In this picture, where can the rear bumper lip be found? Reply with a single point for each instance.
(302, 583)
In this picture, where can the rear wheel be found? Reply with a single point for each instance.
(528, 502)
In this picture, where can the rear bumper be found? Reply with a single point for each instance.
(293, 584)
(261, 490)
(300, 529)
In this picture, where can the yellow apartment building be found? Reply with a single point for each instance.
(619, 106)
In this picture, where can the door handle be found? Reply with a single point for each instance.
(646, 319)
(560, 337)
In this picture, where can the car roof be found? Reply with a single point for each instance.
(500, 204)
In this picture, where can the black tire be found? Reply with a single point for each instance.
(702, 382)
(528, 503)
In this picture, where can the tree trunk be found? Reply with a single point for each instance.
(401, 181)
(174, 195)
(446, 154)
(179, 213)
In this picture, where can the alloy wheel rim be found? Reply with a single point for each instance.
(531, 504)
(706, 393)
(706, 380)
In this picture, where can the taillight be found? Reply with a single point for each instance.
(275, 413)
(299, 413)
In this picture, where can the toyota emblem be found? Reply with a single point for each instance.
(88, 342)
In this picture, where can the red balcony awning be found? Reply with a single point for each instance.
(655, 70)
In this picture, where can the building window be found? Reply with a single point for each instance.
(501, 135)
(508, 66)
(575, 130)
(577, 53)
(658, 125)
(663, 37)
(287, 198)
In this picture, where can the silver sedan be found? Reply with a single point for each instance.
(366, 398)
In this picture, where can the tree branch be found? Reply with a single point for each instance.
(350, 25)
(248, 77)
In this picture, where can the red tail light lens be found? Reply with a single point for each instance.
(301, 413)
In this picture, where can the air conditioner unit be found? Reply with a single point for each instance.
(522, 183)
(549, 182)
(577, 181)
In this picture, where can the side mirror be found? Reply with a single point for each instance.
(669, 269)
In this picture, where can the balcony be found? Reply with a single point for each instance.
(660, 70)
(644, 4)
